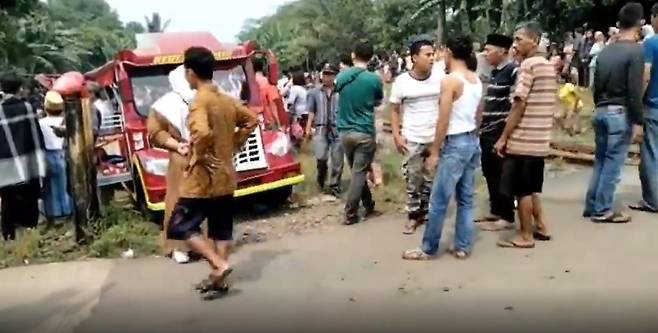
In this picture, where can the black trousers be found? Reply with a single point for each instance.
(20, 207)
(492, 168)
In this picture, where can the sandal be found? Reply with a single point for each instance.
(541, 236)
(410, 227)
(206, 285)
(219, 281)
(459, 254)
(416, 254)
(643, 207)
(489, 218)
(612, 218)
(513, 244)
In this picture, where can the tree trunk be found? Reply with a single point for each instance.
(81, 163)
(440, 22)
(495, 14)
(472, 14)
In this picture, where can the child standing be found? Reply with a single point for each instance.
(57, 201)
(569, 115)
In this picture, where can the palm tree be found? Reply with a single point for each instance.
(154, 24)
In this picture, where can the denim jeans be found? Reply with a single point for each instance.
(649, 159)
(360, 151)
(330, 156)
(458, 162)
(613, 133)
(57, 202)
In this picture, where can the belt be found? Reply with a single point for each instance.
(611, 108)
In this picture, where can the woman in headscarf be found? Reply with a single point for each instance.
(167, 129)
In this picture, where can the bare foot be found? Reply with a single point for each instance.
(498, 225)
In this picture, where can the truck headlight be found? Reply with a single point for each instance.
(156, 166)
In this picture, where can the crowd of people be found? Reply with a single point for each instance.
(449, 117)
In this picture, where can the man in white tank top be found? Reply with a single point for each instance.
(415, 108)
(456, 151)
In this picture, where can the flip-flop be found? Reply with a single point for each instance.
(410, 227)
(510, 244)
(219, 281)
(459, 254)
(486, 219)
(612, 218)
(541, 236)
(417, 255)
(642, 207)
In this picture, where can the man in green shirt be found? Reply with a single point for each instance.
(360, 92)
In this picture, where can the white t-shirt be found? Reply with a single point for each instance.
(419, 104)
(297, 99)
(52, 141)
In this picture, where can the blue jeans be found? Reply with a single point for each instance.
(459, 160)
(649, 159)
(613, 133)
(57, 201)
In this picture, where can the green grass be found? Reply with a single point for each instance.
(119, 230)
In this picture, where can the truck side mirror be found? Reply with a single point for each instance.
(272, 68)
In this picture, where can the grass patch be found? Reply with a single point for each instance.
(119, 230)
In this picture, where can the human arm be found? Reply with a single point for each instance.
(635, 86)
(160, 137)
(312, 110)
(449, 87)
(395, 102)
(519, 97)
(379, 92)
(200, 134)
(649, 47)
(245, 122)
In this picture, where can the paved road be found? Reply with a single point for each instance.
(591, 277)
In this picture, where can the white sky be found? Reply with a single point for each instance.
(224, 18)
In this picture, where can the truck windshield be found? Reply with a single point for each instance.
(151, 83)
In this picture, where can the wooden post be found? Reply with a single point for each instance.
(81, 162)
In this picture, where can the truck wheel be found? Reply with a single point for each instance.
(141, 206)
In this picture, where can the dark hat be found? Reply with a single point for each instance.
(500, 41)
(420, 38)
(330, 69)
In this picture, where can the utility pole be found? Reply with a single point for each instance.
(80, 157)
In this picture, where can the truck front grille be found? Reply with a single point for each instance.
(252, 154)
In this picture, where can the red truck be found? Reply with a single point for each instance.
(137, 78)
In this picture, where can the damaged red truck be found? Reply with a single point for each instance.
(137, 78)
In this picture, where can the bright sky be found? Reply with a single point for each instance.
(224, 18)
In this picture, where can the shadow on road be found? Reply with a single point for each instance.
(252, 268)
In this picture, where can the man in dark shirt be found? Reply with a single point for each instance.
(618, 98)
(497, 106)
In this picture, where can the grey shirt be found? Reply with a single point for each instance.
(618, 78)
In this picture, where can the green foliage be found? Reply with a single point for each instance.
(62, 35)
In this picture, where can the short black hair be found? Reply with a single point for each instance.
(11, 82)
(259, 64)
(346, 59)
(298, 78)
(415, 48)
(364, 51)
(461, 47)
(201, 61)
(654, 10)
(531, 29)
(580, 30)
(630, 15)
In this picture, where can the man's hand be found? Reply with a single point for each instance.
(638, 134)
(211, 163)
(432, 162)
(499, 147)
(183, 148)
(400, 144)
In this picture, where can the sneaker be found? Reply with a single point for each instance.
(180, 257)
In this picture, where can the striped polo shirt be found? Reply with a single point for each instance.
(537, 86)
(497, 103)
